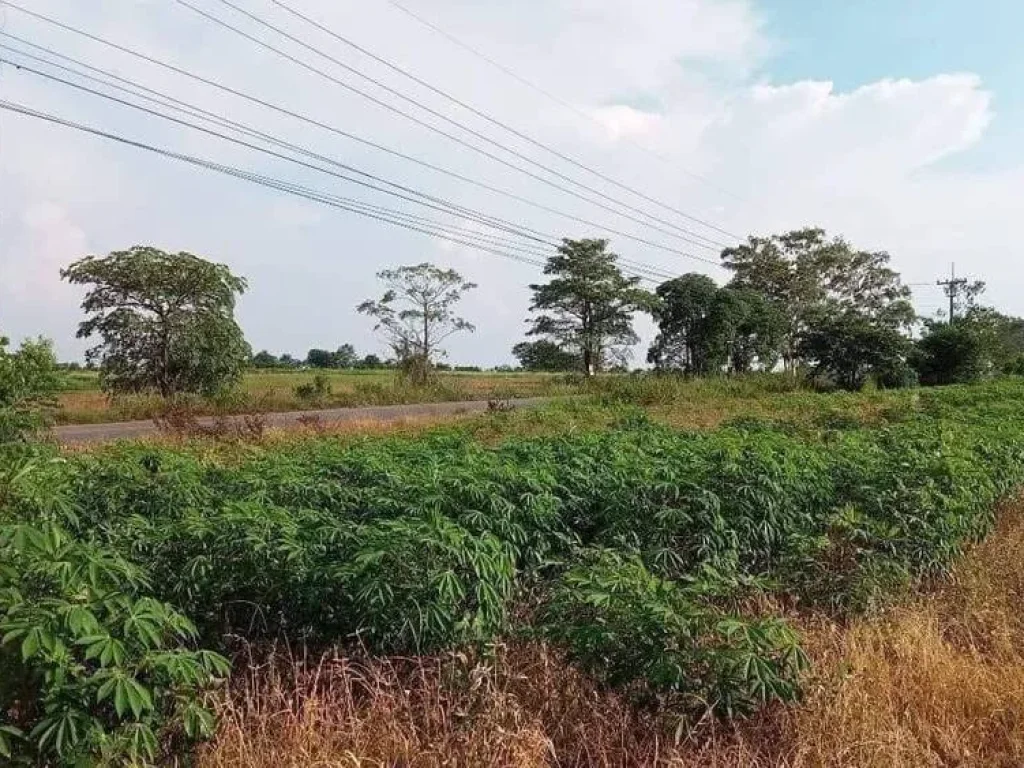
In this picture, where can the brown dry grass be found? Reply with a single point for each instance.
(936, 682)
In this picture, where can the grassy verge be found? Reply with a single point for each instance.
(84, 403)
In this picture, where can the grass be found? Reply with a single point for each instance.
(935, 681)
(82, 402)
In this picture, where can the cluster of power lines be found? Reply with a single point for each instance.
(625, 211)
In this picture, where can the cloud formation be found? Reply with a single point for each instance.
(688, 79)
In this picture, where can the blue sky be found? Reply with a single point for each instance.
(853, 42)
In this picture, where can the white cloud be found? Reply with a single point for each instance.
(860, 162)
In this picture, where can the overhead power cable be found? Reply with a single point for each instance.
(200, 113)
(560, 101)
(687, 237)
(489, 118)
(435, 230)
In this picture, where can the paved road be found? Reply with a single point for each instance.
(125, 430)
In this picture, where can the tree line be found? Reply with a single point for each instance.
(801, 302)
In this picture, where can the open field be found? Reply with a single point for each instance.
(82, 402)
(726, 572)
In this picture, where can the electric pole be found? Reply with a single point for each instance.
(952, 287)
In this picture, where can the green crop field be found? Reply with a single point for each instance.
(675, 566)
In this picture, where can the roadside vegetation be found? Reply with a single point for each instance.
(749, 555)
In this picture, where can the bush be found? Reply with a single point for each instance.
(651, 635)
(28, 381)
(91, 670)
(315, 391)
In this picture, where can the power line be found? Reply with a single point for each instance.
(288, 187)
(558, 100)
(490, 155)
(489, 118)
(449, 207)
(312, 121)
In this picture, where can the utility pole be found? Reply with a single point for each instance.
(952, 287)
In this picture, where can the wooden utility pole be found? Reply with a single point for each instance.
(952, 287)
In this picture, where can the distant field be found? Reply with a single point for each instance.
(82, 402)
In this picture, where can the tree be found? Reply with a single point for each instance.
(166, 321)
(370, 362)
(951, 353)
(289, 362)
(704, 328)
(544, 355)
(587, 308)
(28, 382)
(758, 333)
(263, 359)
(416, 313)
(803, 270)
(848, 346)
(320, 358)
(345, 356)
(683, 314)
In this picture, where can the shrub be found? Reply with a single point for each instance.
(28, 381)
(314, 391)
(91, 671)
(652, 635)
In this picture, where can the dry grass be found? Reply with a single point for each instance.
(936, 682)
(276, 392)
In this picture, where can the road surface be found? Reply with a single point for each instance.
(75, 434)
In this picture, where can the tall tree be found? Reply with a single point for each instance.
(587, 307)
(804, 270)
(683, 313)
(264, 359)
(166, 321)
(417, 313)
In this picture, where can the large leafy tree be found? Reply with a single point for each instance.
(704, 328)
(417, 313)
(165, 321)
(803, 271)
(588, 305)
(847, 345)
(544, 355)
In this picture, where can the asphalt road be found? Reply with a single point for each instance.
(74, 434)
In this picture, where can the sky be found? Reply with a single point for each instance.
(893, 124)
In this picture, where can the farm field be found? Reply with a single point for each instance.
(721, 572)
(82, 402)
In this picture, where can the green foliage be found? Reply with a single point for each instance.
(417, 313)
(641, 549)
(640, 632)
(28, 381)
(314, 391)
(704, 329)
(93, 672)
(951, 354)
(800, 271)
(587, 307)
(847, 347)
(544, 355)
(166, 321)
